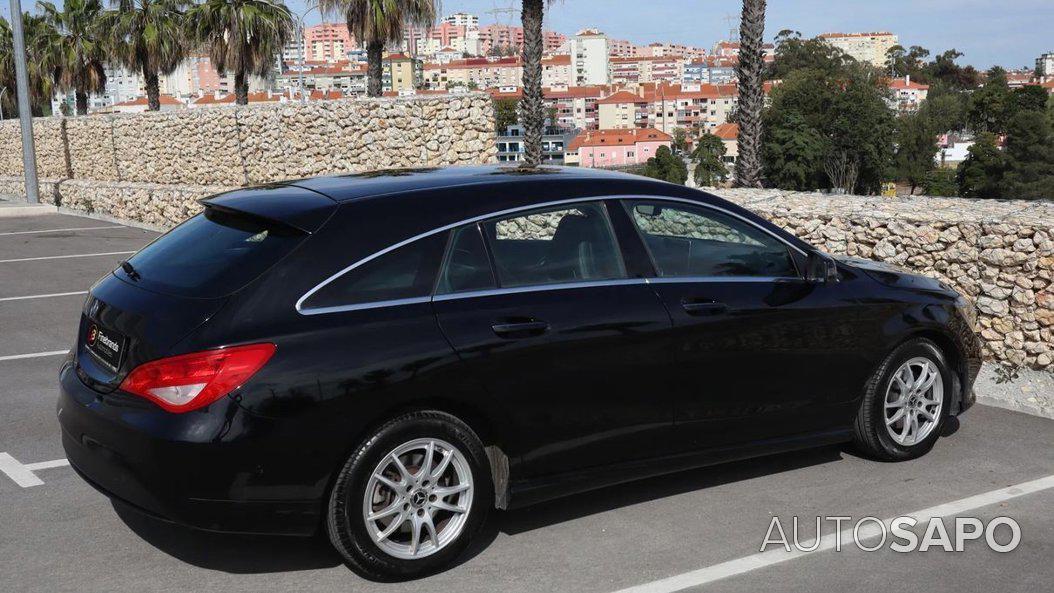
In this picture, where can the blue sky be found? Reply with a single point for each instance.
(1011, 33)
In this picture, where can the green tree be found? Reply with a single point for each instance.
(944, 71)
(1028, 98)
(981, 174)
(709, 168)
(793, 152)
(377, 23)
(751, 73)
(243, 37)
(1029, 157)
(916, 149)
(80, 49)
(666, 166)
(42, 61)
(911, 62)
(505, 113)
(990, 105)
(794, 53)
(940, 182)
(680, 140)
(946, 112)
(150, 37)
(851, 116)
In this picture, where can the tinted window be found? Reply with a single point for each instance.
(689, 241)
(553, 246)
(403, 273)
(466, 266)
(211, 255)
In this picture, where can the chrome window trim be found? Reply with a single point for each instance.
(739, 279)
(539, 287)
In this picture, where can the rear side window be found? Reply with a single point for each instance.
(693, 241)
(568, 244)
(404, 273)
(210, 255)
(466, 267)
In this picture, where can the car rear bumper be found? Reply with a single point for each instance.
(200, 469)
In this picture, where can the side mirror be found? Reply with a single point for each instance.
(820, 268)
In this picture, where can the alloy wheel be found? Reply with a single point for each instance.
(914, 401)
(418, 498)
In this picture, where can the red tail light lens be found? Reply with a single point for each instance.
(190, 381)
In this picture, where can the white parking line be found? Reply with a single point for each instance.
(82, 228)
(8, 261)
(753, 562)
(33, 355)
(22, 473)
(42, 296)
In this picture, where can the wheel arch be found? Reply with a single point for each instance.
(953, 354)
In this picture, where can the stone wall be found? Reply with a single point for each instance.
(234, 146)
(998, 253)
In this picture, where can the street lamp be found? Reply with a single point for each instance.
(29, 159)
(303, 48)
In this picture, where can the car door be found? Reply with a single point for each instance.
(761, 352)
(540, 307)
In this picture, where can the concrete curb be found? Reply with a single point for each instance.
(16, 209)
(1032, 392)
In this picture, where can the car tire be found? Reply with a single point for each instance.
(878, 431)
(398, 449)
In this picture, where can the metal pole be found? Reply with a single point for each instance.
(29, 158)
(3, 91)
(300, 53)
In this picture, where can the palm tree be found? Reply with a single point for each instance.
(149, 36)
(377, 23)
(532, 107)
(80, 51)
(751, 93)
(41, 62)
(243, 36)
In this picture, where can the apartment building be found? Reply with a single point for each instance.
(445, 36)
(576, 107)
(346, 77)
(663, 49)
(557, 71)
(615, 148)
(1045, 66)
(908, 95)
(864, 47)
(506, 36)
(590, 57)
(643, 69)
(462, 19)
(327, 42)
(554, 142)
(401, 73)
(195, 75)
(483, 73)
(622, 110)
(623, 49)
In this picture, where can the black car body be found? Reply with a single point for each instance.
(567, 365)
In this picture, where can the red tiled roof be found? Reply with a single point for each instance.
(557, 60)
(622, 97)
(901, 84)
(576, 92)
(498, 94)
(139, 101)
(874, 34)
(727, 131)
(618, 137)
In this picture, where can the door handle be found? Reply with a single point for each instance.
(703, 308)
(520, 329)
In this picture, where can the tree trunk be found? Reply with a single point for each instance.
(374, 68)
(241, 88)
(532, 108)
(82, 102)
(153, 91)
(751, 93)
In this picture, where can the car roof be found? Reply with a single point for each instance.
(351, 187)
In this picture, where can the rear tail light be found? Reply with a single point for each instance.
(190, 381)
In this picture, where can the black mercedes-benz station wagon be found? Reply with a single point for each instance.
(388, 356)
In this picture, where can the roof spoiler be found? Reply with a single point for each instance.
(288, 206)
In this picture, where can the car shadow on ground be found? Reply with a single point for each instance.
(247, 554)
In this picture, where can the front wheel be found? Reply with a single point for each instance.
(410, 498)
(906, 403)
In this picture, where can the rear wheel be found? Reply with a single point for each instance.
(905, 403)
(411, 497)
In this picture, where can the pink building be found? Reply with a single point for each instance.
(505, 36)
(615, 148)
(327, 42)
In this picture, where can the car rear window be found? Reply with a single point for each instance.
(210, 255)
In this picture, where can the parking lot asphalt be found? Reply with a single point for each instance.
(699, 530)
